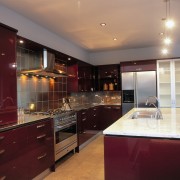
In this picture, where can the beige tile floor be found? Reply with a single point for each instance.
(86, 165)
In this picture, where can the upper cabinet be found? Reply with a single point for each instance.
(168, 77)
(134, 66)
(108, 77)
(80, 77)
(8, 83)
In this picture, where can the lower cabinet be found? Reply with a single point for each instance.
(109, 114)
(27, 151)
(95, 119)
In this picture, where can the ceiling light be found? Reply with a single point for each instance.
(164, 51)
(115, 39)
(167, 41)
(103, 24)
(169, 23)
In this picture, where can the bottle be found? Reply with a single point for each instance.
(105, 87)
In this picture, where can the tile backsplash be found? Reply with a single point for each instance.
(43, 93)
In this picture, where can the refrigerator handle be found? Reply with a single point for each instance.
(135, 90)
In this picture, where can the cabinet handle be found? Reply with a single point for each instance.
(1, 137)
(94, 115)
(107, 107)
(41, 136)
(2, 151)
(84, 119)
(40, 126)
(94, 126)
(83, 113)
(41, 157)
(94, 109)
(3, 178)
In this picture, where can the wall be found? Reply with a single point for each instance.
(117, 56)
(30, 30)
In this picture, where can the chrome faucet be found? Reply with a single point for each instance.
(158, 114)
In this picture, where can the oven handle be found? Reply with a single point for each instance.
(65, 126)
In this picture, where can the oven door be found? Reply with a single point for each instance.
(65, 132)
(66, 140)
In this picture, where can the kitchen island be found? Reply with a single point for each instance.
(144, 148)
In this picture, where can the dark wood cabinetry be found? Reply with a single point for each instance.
(134, 66)
(95, 119)
(108, 77)
(88, 123)
(8, 90)
(80, 77)
(27, 151)
(109, 114)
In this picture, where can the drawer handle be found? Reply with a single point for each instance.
(94, 109)
(41, 157)
(2, 151)
(1, 137)
(3, 178)
(84, 119)
(83, 113)
(40, 126)
(94, 126)
(41, 136)
(94, 115)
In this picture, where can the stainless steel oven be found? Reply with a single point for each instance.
(65, 131)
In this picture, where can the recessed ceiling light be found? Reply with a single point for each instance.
(103, 24)
(161, 33)
(115, 39)
(21, 41)
(164, 51)
(167, 41)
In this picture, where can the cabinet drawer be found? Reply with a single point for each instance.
(40, 134)
(40, 159)
(12, 142)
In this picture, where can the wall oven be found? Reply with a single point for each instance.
(65, 127)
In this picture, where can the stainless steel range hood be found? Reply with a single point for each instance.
(49, 67)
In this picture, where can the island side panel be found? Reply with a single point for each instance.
(131, 158)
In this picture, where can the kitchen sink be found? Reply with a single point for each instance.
(143, 114)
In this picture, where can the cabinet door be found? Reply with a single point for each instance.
(8, 90)
(164, 77)
(177, 82)
(135, 66)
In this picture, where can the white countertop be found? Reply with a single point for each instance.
(168, 127)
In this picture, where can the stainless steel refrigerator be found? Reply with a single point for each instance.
(136, 87)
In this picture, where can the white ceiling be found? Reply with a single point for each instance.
(135, 23)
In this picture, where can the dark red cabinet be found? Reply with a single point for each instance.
(27, 151)
(134, 66)
(80, 77)
(133, 158)
(108, 77)
(8, 86)
(109, 114)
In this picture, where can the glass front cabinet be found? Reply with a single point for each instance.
(168, 78)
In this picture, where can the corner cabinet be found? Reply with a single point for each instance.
(8, 84)
(108, 78)
(80, 77)
(168, 78)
